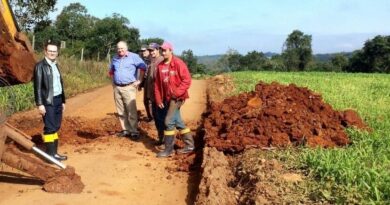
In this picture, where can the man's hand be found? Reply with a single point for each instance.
(161, 105)
(173, 95)
(63, 107)
(41, 109)
(136, 83)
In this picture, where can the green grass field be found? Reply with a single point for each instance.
(359, 173)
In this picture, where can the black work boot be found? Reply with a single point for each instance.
(135, 136)
(123, 133)
(169, 142)
(50, 148)
(189, 144)
(160, 139)
(56, 155)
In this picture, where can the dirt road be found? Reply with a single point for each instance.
(114, 170)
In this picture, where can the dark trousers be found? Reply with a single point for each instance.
(159, 116)
(148, 108)
(53, 117)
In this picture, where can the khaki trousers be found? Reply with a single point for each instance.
(125, 102)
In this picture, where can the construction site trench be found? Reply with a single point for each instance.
(227, 133)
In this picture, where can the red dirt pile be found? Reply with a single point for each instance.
(65, 181)
(55, 180)
(277, 115)
(74, 130)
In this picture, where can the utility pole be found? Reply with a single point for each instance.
(33, 42)
(82, 54)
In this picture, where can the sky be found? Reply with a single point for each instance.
(209, 27)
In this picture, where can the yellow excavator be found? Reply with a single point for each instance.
(17, 62)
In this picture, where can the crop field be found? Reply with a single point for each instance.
(358, 172)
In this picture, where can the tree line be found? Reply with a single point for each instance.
(81, 32)
(96, 38)
(76, 29)
(297, 55)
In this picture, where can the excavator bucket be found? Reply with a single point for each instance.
(17, 58)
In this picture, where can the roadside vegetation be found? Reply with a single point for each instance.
(354, 174)
(78, 77)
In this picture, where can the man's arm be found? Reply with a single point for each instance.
(185, 77)
(38, 89)
(139, 82)
(141, 66)
(38, 85)
(110, 72)
(157, 91)
(141, 75)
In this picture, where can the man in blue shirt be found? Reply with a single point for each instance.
(123, 69)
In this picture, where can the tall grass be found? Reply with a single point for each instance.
(361, 170)
(78, 77)
(81, 76)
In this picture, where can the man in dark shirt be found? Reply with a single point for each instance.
(155, 59)
(50, 98)
(145, 54)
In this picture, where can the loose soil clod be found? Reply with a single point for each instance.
(65, 181)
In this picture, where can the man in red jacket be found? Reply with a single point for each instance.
(171, 86)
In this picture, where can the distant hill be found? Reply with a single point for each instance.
(322, 57)
(270, 54)
(325, 57)
(208, 59)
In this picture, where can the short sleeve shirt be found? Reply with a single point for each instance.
(124, 68)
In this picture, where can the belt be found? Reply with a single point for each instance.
(123, 85)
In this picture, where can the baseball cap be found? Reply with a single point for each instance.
(143, 48)
(153, 46)
(166, 45)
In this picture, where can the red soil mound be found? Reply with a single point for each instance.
(16, 63)
(74, 130)
(277, 115)
(65, 181)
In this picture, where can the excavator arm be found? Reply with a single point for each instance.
(17, 58)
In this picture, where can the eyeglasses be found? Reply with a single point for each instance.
(51, 51)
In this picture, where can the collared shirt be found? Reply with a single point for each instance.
(172, 81)
(57, 88)
(124, 69)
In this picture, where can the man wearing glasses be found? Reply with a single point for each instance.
(50, 97)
